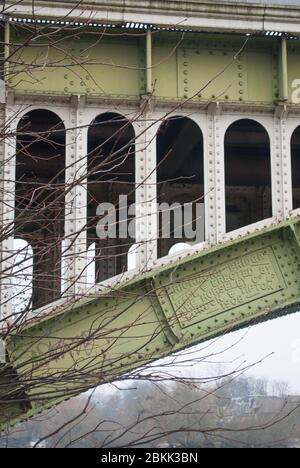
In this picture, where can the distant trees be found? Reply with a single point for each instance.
(280, 388)
(171, 414)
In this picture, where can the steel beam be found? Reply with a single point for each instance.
(75, 245)
(284, 70)
(96, 340)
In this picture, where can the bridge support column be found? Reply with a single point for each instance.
(146, 189)
(281, 166)
(7, 176)
(283, 146)
(215, 181)
(75, 245)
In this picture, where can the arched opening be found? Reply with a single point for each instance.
(178, 248)
(111, 193)
(40, 200)
(247, 174)
(132, 258)
(295, 164)
(180, 183)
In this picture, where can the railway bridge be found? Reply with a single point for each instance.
(150, 184)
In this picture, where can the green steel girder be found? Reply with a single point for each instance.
(167, 309)
(86, 63)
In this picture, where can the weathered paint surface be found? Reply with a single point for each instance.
(221, 289)
(194, 66)
(248, 280)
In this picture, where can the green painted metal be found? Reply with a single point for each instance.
(6, 48)
(81, 63)
(284, 71)
(85, 62)
(167, 309)
(149, 61)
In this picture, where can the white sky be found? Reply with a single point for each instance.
(270, 350)
(279, 337)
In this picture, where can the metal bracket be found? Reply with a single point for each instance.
(294, 235)
(78, 101)
(161, 297)
(215, 108)
(147, 103)
(281, 110)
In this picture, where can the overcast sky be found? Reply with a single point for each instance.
(279, 339)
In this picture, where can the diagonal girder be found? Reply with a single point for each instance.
(226, 287)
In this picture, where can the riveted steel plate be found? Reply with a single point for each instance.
(226, 287)
(198, 297)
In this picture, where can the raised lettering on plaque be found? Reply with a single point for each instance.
(226, 287)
